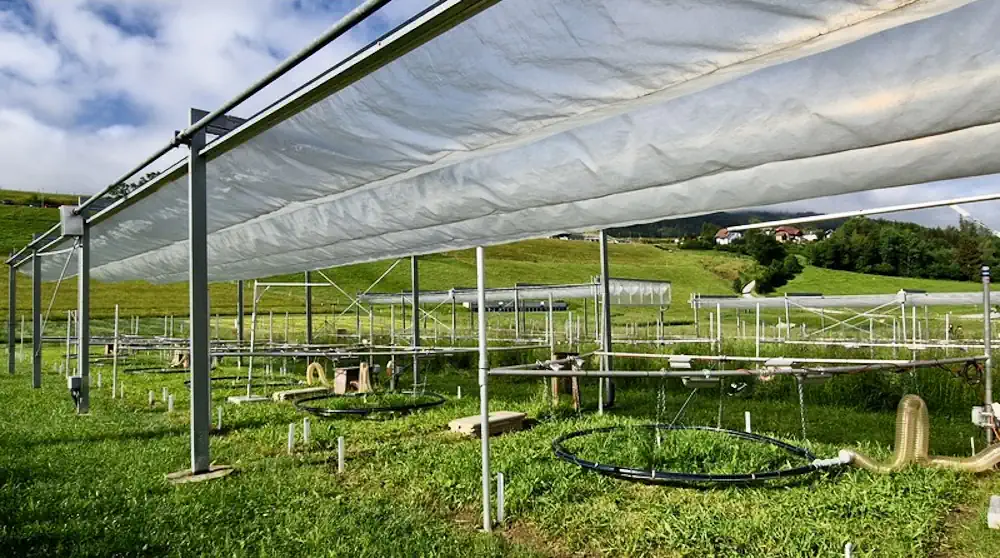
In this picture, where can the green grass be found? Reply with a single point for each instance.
(94, 486)
(831, 281)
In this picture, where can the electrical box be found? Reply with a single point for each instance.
(72, 225)
(74, 383)
(980, 416)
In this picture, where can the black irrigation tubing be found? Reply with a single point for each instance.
(661, 477)
(156, 370)
(436, 399)
(254, 382)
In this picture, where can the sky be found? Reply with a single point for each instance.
(88, 88)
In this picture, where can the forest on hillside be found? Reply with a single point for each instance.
(907, 249)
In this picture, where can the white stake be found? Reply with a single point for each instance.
(151, 397)
(121, 390)
(459, 392)
(305, 431)
(99, 380)
(848, 550)
(340, 454)
(291, 438)
(972, 441)
(170, 404)
(218, 425)
(500, 506)
(746, 420)
(164, 396)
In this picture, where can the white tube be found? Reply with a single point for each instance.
(484, 401)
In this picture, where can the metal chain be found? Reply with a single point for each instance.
(661, 404)
(722, 390)
(802, 407)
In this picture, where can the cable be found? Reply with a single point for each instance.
(436, 399)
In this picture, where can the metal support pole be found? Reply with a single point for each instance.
(606, 337)
(11, 319)
(36, 320)
(484, 401)
(114, 358)
(756, 330)
(517, 314)
(415, 289)
(788, 321)
(988, 347)
(454, 322)
(309, 309)
(83, 322)
(239, 319)
(201, 396)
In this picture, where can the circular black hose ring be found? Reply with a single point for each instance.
(659, 477)
(436, 399)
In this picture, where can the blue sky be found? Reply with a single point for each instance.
(89, 87)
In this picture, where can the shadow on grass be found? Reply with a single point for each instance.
(103, 437)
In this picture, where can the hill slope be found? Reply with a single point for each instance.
(536, 261)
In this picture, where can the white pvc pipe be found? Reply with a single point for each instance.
(484, 400)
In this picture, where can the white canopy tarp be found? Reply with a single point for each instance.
(541, 116)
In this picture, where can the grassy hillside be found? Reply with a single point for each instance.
(831, 281)
(537, 261)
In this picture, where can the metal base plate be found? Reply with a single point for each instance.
(243, 399)
(214, 472)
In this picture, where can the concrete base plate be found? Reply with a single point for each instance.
(214, 472)
(242, 399)
(499, 422)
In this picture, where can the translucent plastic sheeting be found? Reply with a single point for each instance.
(542, 116)
(633, 292)
(844, 301)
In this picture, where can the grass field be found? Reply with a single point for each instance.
(94, 485)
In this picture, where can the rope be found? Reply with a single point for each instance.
(52, 301)
(684, 406)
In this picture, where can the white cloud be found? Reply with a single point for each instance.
(84, 96)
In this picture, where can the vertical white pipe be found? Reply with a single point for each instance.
(340, 454)
(987, 348)
(484, 401)
(291, 437)
(746, 421)
(757, 332)
(500, 498)
(306, 431)
(114, 357)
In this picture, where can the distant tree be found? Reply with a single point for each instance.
(123, 189)
(763, 247)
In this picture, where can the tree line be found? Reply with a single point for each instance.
(907, 249)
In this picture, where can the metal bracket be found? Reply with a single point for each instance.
(72, 224)
(221, 125)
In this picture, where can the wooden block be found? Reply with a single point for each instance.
(293, 394)
(364, 383)
(499, 421)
